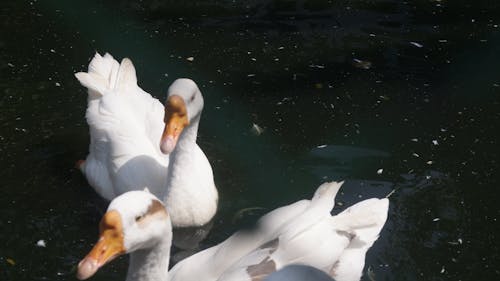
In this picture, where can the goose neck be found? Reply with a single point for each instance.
(150, 264)
(188, 137)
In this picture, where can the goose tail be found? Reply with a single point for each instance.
(105, 74)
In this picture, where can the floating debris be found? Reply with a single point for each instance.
(380, 171)
(251, 75)
(414, 140)
(436, 219)
(415, 154)
(370, 273)
(243, 212)
(58, 84)
(10, 261)
(418, 45)
(430, 162)
(363, 64)
(435, 142)
(390, 193)
(257, 130)
(190, 58)
(10, 64)
(321, 146)
(317, 66)
(456, 243)
(442, 270)
(41, 243)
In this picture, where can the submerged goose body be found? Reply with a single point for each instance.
(137, 142)
(301, 233)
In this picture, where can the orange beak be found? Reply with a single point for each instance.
(109, 246)
(175, 121)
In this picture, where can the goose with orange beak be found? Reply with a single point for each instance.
(191, 196)
(303, 232)
(137, 141)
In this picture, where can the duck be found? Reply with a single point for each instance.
(136, 141)
(302, 233)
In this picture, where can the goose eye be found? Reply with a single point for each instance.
(138, 218)
(192, 98)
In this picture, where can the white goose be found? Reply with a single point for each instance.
(301, 233)
(129, 141)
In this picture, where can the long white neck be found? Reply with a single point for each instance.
(187, 140)
(150, 264)
(190, 195)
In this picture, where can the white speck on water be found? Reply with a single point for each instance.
(460, 241)
(41, 243)
(58, 84)
(281, 48)
(416, 155)
(317, 66)
(436, 219)
(52, 51)
(414, 140)
(442, 270)
(251, 75)
(321, 146)
(190, 58)
(253, 59)
(435, 142)
(427, 177)
(442, 41)
(430, 162)
(256, 129)
(390, 193)
(10, 64)
(166, 74)
(418, 45)
(380, 171)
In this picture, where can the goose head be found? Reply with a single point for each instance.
(183, 106)
(134, 220)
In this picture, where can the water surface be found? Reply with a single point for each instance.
(387, 95)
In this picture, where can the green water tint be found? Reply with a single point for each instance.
(417, 114)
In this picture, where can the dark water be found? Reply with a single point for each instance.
(341, 88)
